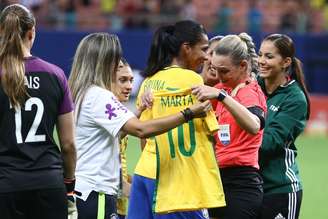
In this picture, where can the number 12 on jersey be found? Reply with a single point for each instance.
(181, 140)
(31, 135)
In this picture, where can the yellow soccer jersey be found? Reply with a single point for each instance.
(122, 201)
(186, 165)
(171, 78)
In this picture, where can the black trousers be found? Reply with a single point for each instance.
(243, 193)
(97, 205)
(283, 205)
(34, 204)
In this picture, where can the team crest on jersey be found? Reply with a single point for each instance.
(110, 111)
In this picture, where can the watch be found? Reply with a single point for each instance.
(222, 95)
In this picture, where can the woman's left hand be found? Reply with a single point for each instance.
(203, 92)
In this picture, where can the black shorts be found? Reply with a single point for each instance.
(34, 204)
(243, 193)
(97, 205)
(283, 205)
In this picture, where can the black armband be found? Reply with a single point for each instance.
(257, 111)
(187, 114)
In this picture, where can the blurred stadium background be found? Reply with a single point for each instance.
(61, 24)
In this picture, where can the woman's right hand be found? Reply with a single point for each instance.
(199, 109)
(203, 92)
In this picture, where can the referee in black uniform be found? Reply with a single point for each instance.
(34, 96)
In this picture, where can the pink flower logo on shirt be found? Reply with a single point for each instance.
(110, 111)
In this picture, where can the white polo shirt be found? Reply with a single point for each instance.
(97, 142)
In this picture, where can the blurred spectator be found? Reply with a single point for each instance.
(34, 5)
(86, 2)
(302, 24)
(189, 11)
(61, 14)
(325, 14)
(128, 9)
(288, 22)
(254, 17)
(107, 6)
(109, 12)
(171, 6)
(224, 15)
(289, 16)
(150, 9)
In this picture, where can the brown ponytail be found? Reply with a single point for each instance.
(15, 21)
(298, 75)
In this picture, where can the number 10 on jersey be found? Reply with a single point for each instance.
(181, 140)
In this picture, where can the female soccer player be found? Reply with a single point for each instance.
(282, 81)
(208, 73)
(122, 90)
(177, 171)
(241, 111)
(99, 119)
(34, 96)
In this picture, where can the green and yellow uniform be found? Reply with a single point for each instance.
(181, 160)
(122, 201)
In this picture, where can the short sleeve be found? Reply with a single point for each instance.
(211, 122)
(66, 104)
(251, 95)
(109, 113)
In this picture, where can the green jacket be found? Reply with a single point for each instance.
(286, 119)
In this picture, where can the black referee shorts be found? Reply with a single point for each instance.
(280, 206)
(34, 204)
(243, 193)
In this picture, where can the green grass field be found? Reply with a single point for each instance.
(313, 168)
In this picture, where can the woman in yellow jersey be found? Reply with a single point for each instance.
(122, 90)
(177, 173)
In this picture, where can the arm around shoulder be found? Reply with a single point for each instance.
(161, 125)
(151, 128)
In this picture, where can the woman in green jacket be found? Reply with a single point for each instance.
(282, 81)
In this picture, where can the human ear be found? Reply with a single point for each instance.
(185, 47)
(244, 65)
(287, 62)
(30, 34)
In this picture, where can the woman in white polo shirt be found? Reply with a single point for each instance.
(99, 119)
